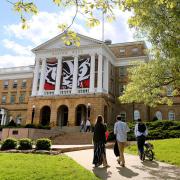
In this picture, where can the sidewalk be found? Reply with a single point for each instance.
(134, 168)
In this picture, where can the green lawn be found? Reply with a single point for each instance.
(167, 150)
(41, 167)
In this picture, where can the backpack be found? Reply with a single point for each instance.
(141, 128)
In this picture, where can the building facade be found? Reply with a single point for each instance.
(69, 84)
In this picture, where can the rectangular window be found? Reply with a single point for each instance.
(5, 84)
(122, 71)
(23, 85)
(13, 98)
(3, 100)
(135, 51)
(122, 88)
(15, 84)
(22, 97)
(169, 91)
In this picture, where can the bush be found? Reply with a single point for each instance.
(9, 143)
(43, 127)
(25, 144)
(43, 144)
(30, 126)
(160, 129)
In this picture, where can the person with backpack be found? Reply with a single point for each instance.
(140, 132)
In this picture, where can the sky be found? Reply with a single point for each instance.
(16, 43)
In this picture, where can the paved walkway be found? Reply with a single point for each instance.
(134, 169)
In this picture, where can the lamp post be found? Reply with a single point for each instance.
(33, 113)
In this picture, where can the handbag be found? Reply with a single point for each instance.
(116, 149)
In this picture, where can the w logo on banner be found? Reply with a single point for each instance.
(50, 77)
(84, 73)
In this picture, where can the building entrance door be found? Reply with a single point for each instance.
(81, 114)
(62, 116)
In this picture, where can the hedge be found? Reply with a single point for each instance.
(160, 129)
(9, 143)
(25, 144)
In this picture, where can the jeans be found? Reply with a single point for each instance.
(140, 143)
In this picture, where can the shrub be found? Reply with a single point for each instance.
(9, 143)
(43, 144)
(160, 129)
(25, 144)
(43, 127)
(30, 126)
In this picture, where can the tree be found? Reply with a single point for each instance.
(157, 20)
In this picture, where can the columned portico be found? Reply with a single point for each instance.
(100, 62)
(42, 78)
(2, 117)
(58, 75)
(92, 74)
(36, 76)
(75, 75)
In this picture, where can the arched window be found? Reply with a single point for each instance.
(171, 115)
(123, 116)
(136, 115)
(159, 115)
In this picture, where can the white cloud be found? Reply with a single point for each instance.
(14, 61)
(44, 27)
(17, 48)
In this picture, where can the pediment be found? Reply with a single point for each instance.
(57, 43)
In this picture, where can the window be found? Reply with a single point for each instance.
(6, 84)
(122, 52)
(169, 90)
(22, 97)
(136, 115)
(135, 51)
(12, 100)
(171, 115)
(23, 85)
(122, 71)
(123, 116)
(3, 99)
(159, 115)
(122, 88)
(15, 84)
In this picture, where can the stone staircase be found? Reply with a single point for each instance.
(72, 138)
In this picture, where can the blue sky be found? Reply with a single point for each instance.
(16, 44)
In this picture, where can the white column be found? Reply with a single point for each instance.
(35, 79)
(92, 73)
(42, 78)
(100, 60)
(106, 75)
(75, 75)
(58, 75)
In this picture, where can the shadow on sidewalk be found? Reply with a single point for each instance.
(160, 171)
(126, 172)
(103, 173)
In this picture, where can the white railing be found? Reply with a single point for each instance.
(49, 93)
(65, 92)
(83, 90)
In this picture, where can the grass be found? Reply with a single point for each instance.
(37, 167)
(166, 150)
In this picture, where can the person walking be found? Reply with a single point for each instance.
(82, 126)
(99, 140)
(120, 130)
(140, 132)
(88, 125)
